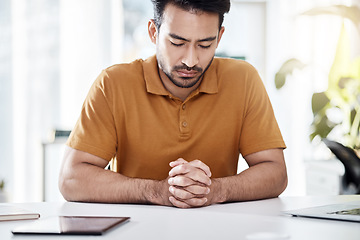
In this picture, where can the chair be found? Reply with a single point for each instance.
(350, 160)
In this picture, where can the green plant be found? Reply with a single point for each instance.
(343, 93)
(2, 185)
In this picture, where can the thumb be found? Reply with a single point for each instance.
(177, 162)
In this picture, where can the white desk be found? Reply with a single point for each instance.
(223, 221)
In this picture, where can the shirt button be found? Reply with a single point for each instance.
(183, 106)
(184, 124)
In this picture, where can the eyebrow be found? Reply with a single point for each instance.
(208, 39)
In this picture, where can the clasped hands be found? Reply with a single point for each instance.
(189, 183)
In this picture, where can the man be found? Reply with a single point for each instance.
(176, 123)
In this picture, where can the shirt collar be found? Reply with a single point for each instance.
(154, 84)
(209, 84)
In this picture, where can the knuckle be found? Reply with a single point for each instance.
(185, 195)
(200, 177)
(182, 167)
(181, 181)
(197, 161)
(181, 194)
(203, 190)
(197, 202)
(177, 203)
(193, 191)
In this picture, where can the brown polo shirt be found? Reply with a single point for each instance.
(129, 115)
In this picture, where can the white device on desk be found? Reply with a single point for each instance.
(345, 212)
(71, 225)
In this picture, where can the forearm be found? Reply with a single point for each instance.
(265, 180)
(90, 183)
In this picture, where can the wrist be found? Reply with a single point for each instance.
(218, 192)
(157, 192)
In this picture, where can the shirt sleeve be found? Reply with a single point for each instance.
(260, 130)
(95, 130)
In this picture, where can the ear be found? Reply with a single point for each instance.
(221, 32)
(152, 30)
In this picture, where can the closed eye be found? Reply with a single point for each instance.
(176, 45)
(202, 46)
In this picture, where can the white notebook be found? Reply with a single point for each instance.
(10, 212)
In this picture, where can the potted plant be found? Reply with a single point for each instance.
(343, 93)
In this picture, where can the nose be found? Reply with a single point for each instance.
(190, 58)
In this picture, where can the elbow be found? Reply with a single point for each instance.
(63, 188)
(281, 184)
(66, 188)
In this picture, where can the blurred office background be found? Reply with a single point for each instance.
(51, 51)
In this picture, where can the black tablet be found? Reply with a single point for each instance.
(71, 225)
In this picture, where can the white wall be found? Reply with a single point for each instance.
(58, 48)
(90, 40)
(245, 33)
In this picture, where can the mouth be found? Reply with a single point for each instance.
(187, 74)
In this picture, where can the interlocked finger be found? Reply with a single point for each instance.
(181, 181)
(193, 202)
(199, 164)
(180, 193)
(198, 190)
(195, 174)
(178, 203)
(199, 177)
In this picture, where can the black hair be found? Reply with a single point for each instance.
(211, 6)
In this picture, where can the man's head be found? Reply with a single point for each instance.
(219, 7)
(189, 36)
